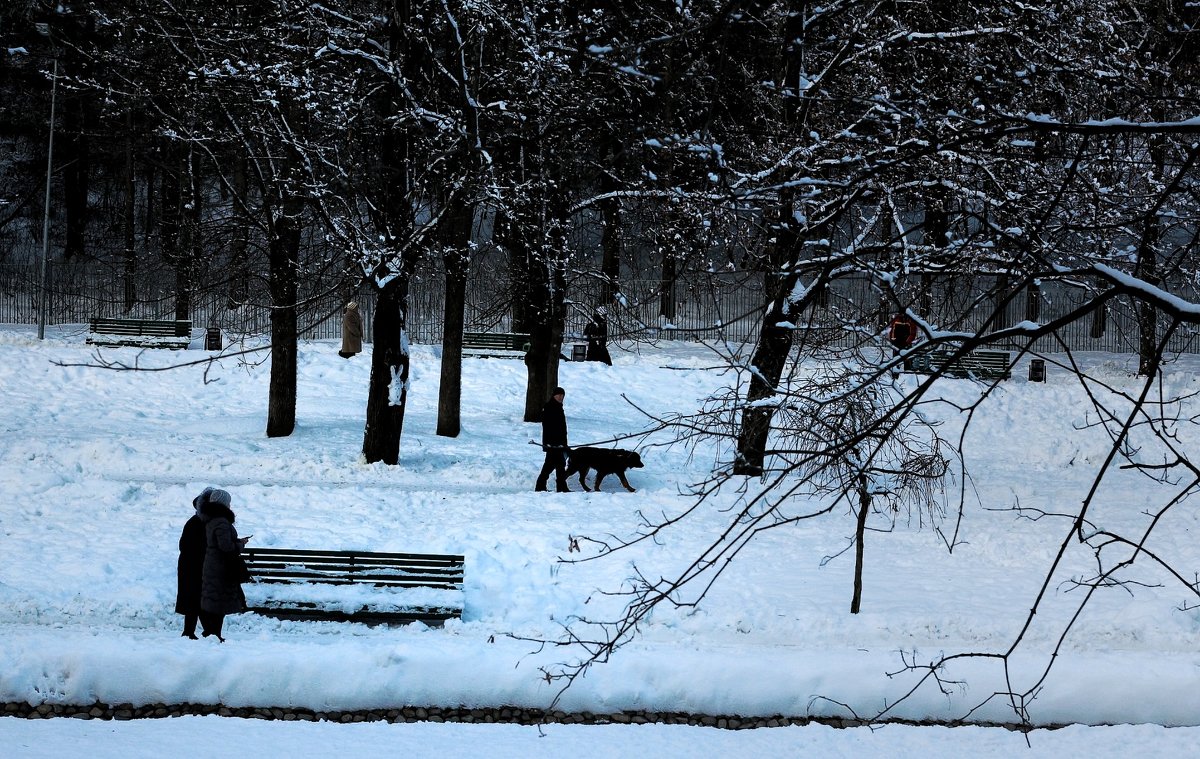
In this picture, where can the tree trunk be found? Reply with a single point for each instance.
(129, 220)
(189, 245)
(610, 239)
(1146, 270)
(774, 345)
(175, 249)
(239, 274)
(449, 422)
(456, 260)
(388, 391)
(666, 301)
(1033, 302)
(860, 534)
(76, 170)
(545, 342)
(284, 252)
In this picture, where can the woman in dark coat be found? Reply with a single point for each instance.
(221, 590)
(596, 334)
(192, 545)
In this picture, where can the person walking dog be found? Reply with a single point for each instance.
(554, 443)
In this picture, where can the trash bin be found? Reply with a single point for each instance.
(212, 339)
(1037, 370)
(578, 352)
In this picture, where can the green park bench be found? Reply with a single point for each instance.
(141, 333)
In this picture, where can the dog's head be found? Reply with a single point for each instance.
(633, 460)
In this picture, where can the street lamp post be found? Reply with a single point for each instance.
(42, 296)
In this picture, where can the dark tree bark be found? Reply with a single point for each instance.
(610, 239)
(1033, 302)
(545, 334)
(456, 260)
(860, 534)
(1147, 270)
(239, 263)
(666, 297)
(175, 247)
(284, 253)
(388, 391)
(76, 171)
(129, 220)
(774, 345)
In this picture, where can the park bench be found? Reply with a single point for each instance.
(354, 586)
(495, 344)
(142, 333)
(976, 364)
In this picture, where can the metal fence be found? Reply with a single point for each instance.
(705, 307)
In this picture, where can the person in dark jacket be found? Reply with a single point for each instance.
(596, 334)
(192, 544)
(554, 442)
(221, 589)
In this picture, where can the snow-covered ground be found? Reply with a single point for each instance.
(98, 469)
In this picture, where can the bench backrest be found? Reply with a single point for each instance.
(348, 567)
(985, 363)
(511, 341)
(142, 327)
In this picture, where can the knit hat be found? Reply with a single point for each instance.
(201, 499)
(220, 496)
(558, 391)
(353, 306)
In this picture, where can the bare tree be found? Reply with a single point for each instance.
(1022, 190)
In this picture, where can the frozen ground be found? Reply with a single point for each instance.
(98, 469)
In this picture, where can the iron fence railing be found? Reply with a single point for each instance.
(705, 307)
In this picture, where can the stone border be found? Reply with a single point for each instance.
(493, 715)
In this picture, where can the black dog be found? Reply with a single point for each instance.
(605, 461)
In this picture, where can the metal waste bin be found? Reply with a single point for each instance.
(1037, 370)
(578, 352)
(212, 339)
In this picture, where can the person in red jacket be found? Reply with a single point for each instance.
(902, 332)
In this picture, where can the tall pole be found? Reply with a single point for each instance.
(43, 300)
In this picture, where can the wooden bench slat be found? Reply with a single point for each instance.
(414, 583)
(145, 333)
(390, 571)
(980, 363)
(358, 566)
(365, 616)
(382, 570)
(315, 554)
(486, 344)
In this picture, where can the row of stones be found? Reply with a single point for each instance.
(503, 715)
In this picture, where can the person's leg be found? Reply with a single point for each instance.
(218, 622)
(560, 472)
(189, 625)
(547, 468)
(212, 624)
